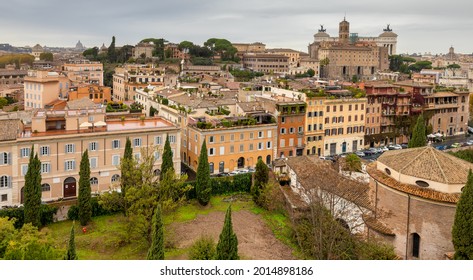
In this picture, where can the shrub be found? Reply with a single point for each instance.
(73, 213)
(203, 249)
(18, 213)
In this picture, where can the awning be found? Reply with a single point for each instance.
(100, 123)
(438, 135)
(431, 136)
(85, 125)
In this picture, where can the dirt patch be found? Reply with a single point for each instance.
(255, 239)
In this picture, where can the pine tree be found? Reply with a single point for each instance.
(85, 206)
(203, 183)
(419, 138)
(261, 178)
(71, 249)
(167, 163)
(462, 231)
(227, 247)
(32, 191)
(156, 250)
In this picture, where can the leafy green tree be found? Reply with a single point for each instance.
(47, 56)
(353, 163)
(203, 185)
(454, 66)
(3, 102)
(32, 191)
(7, 229)
(156, 251)
(419, 138)
(167, 163)
(203, 249)
(261, 178)
(85, 207)
(311, 72)
(91, 53)
(185, 45)
(227, 247)
(28, 243)
(462, 231)
(172, 190)
(71, 249)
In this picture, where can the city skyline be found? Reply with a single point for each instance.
(421, 26)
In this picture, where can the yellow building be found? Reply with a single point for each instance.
(43, 87)
(344, 125)
(231, 148)
(314, 120)
(60, 138)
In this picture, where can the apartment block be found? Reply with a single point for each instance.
(135, 76)
(314, 121)
(84, 71)
(291, 123)
(344, 125)
(266, 63)
(232, 143)
(60, 137)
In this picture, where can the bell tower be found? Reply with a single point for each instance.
(344, 31)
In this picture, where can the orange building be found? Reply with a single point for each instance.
(237, 146)
(98, 94)
(291, 123)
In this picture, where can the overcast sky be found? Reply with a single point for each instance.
(422, 25)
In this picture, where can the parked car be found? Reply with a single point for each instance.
(470, 129)
(395, 147)
(384, 148)
(404, 145)
(373, 150)
(469, 142)
(369, 152)
(223, 174)
(243, 171)
(360, 153)
(233, 173)
(251, 170)
(455, 145)
(441, 147)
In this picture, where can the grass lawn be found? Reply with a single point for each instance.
(106, 236)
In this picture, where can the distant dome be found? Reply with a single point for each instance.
(79, 45)
(37, 48)
(103, 48)
(388, 34)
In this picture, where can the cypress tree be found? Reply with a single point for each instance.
(203, 184)
(71, 249)
(85, 206)
(127, 167)
(462, 231)
(227, 247)
(112, 52)
(156, 250)
(261, 178)
(419, 138)
(167, 163)
(32, 191)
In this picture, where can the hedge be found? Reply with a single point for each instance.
(225, 185)
(47, 215)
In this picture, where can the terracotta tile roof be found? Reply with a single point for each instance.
(313, 172)
(82, 103)
(411, 189)
(377, 226)
(428, 163)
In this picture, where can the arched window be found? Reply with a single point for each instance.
(211, 167)
(157, 172)
(94, 181)
(115, 178)
(45, 187)
(4, 181)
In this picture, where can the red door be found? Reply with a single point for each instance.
(70, 187)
